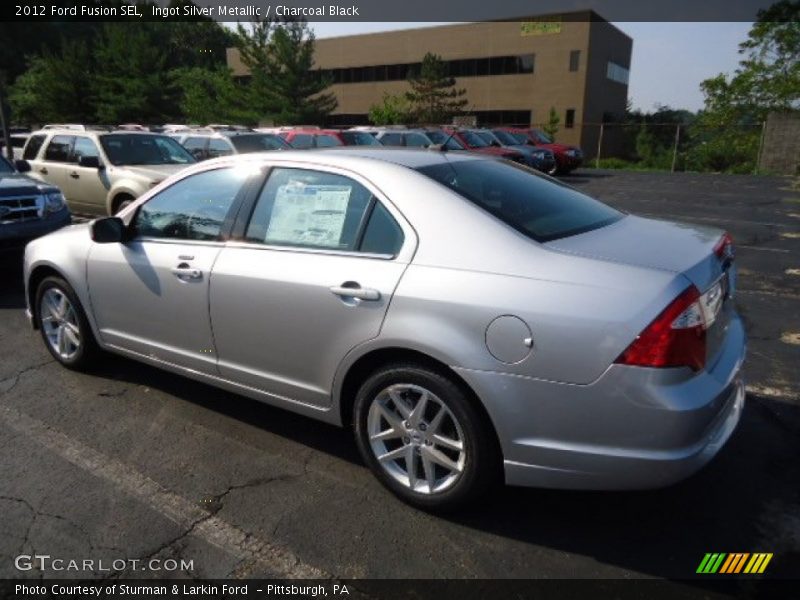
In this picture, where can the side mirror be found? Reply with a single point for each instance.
(108, 230)
(90, 162)
(23, 166)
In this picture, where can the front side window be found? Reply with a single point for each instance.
(474, 140)
(58, 149)
(506, 138)
(311, 209)
(194, 208)
(32, 148)
(138, 149)
(533, 205)
(84, 148)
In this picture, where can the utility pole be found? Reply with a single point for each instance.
(675, 147)
(599, 146)
(3, 122)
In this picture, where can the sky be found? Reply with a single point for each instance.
(669, 59)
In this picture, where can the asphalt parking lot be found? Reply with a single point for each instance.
(129, 462)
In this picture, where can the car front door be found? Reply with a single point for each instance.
(149, 295)
(310, 280)
(86, 188)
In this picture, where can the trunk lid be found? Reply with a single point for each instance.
(680, 248)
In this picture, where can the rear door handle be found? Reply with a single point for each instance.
(353, 290)
(74, 175)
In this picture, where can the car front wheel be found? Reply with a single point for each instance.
(423, 438)
(63, 324)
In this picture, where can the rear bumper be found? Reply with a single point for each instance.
(633, 428)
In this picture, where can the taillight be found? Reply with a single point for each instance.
(676, 338)
(723, 249)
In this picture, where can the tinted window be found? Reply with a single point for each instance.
(327, 141)
(195, 143)
(537, 207)
(218, 147)
(18, 142)
(474, 140)
(84, 147)
(305, 208)
(302, 141)
(192, 209)
(5, 166)
(449, 141)
(382, 235)
(417, 140)
(542, 137)
(392, 139)
(257, 143)
(574, 60)
(359, 138)
(59, 147)
(32, 149)
(506, 138)
(139, 149)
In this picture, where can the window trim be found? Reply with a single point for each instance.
(247, 209)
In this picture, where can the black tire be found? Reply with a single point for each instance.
(482, 469)
(121, 202)
(88, 350)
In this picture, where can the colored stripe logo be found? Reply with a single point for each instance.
(735, 562)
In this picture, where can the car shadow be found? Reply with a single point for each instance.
(12, 287)
(738, 503)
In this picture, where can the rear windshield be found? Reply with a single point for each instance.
(534, 205)
(257, 142)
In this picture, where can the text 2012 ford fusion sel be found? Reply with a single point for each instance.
(474, 321)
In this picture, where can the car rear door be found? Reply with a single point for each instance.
(149, 295)
(310, 279)
(54, 162)
(85, 188)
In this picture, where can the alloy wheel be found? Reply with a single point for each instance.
(59, 320)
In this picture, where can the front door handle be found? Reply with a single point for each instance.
(185, 272)
(74, 175)
(350, 289)
(43, 171)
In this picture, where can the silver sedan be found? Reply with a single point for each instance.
(473, 321)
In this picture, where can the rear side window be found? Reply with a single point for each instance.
(310, 209)
(392, 139)
(32, 149)
(58, 150)
(382, 234)
(540, 208)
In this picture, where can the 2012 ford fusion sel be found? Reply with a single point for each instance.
(474, 321)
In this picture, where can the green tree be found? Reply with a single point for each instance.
(133, 81)
(213, 96)
(433, 96)
(552, 126)
(394, 109)
(283, 86)
(57, 86)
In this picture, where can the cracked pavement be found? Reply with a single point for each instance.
(129, 462)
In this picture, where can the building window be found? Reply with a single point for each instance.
(569, 120)
(527, 63)
(574, 60)
(617, 73)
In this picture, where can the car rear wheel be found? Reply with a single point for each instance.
(63, 324)
(423, 439)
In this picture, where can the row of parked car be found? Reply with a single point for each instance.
(99, 170)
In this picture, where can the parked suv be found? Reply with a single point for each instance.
(28, 208)
(568, 158)
(204, 145)
(102, 172)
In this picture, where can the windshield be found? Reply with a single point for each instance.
(137, 149)
(5, 166)
(509, 139)
(440, 137)
(538, 207)
(257, 143)
(359, 138)
(474, 140)
(542, 137)
(488, 137)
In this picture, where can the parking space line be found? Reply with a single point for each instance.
(760, 249)
(275, 559)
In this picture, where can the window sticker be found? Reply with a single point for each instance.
(309, 215)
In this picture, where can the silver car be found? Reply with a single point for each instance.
(473, 321)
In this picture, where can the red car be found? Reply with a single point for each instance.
(568, 158)
(327, 138)
(475, 143)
